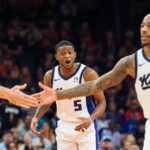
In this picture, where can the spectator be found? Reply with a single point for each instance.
(12, 146)
(106, 143)
(6, 139)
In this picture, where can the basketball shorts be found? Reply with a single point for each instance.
(69, 139)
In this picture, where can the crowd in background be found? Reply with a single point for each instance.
(101, 34)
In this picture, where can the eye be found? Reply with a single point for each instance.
(148, 25)
(142, 25)
(62, 54)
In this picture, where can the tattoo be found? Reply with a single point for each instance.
(110, 79)
(116, 75)
(84, 89)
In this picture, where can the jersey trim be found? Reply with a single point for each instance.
(136, 64)
(145, 55)
(53, 70)
(82, 74)
(90, 102)
(66, 78)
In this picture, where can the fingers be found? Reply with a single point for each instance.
(80, 127)
(21, 87)
(36, 132)
(81, 118)
(24, 106)
(41, 85)
(30, 100)
(33, 126)
(36, 95)
(21, 105)
(84, 125)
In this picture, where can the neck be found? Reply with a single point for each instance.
(68, 72)
(147, 51)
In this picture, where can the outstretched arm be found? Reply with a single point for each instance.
(16, 97)
(123, 68)
(110, 79)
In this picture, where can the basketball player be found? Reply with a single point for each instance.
(136, 65)
(79, 111)
(16, 97)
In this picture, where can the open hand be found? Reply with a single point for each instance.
(46, 96)
(16, 97)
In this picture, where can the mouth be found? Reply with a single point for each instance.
(67, 62)
(145, 36)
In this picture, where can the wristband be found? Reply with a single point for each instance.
(34, 120)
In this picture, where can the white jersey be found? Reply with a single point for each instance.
(142, 83)
(69, 110)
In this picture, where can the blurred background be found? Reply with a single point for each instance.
(103, 31)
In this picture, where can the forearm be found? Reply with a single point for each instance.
(41, 111)
(90, 88)
(85, 89)
(99, 110)
(4, 92)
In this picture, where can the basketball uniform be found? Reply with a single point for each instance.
(68, 111)
(142, 86)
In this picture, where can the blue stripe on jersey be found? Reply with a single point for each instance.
(91, 106)
(82, 74)
(136, 63)
(57, 119)
(52, 77)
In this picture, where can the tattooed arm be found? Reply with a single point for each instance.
(123, 68)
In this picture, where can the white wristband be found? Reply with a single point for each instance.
(34, 120)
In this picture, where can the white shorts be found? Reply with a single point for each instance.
(147, 136)
(69, 139)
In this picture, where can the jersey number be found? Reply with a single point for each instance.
(77, 105)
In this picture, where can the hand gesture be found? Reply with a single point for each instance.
(86, 122)
(46, 96)
(18, 98)
(33, 126)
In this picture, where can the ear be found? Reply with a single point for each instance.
(75, 54)
(56, 57)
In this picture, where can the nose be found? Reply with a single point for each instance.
(67, 55)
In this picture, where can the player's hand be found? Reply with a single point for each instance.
(86, 122)
(46, 96)
(33, 126)
(18, 98)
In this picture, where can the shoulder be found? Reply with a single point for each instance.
(89, 74)
(48, 74)
(126, 64)
(48, 78)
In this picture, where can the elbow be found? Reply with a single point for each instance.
(96, 87)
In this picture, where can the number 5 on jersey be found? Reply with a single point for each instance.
(77, 105)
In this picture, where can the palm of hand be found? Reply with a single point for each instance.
(48, 96)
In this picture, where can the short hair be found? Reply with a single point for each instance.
(63, 43)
